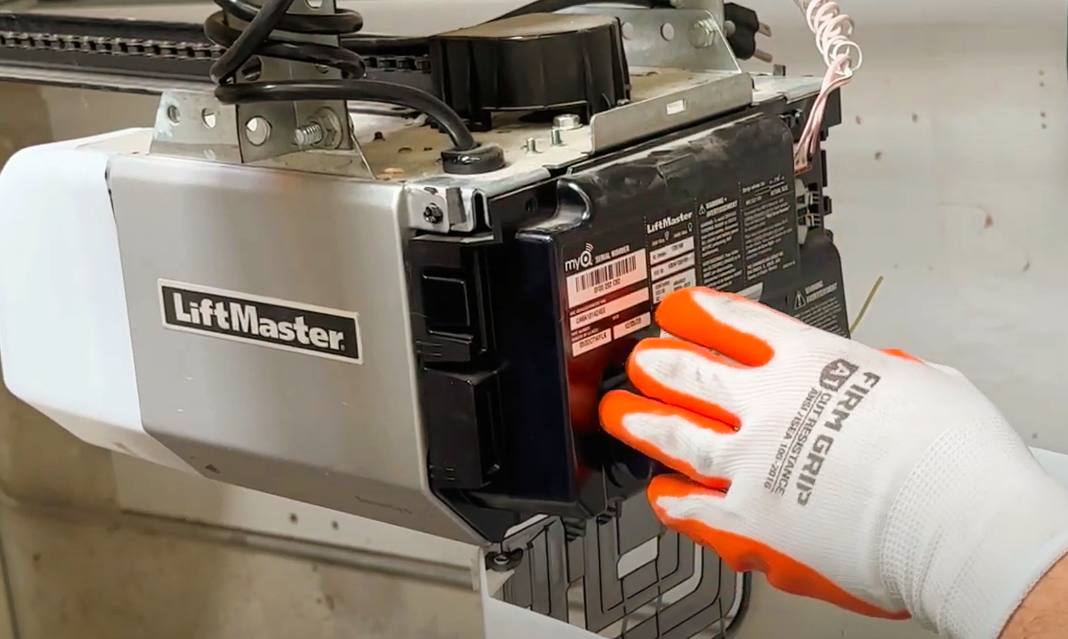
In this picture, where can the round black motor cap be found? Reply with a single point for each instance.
(533, 62)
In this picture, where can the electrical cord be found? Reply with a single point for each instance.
(225, 69)
(359, 90)
(242, 45)
(843, 57)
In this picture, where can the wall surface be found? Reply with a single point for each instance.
(948, 177)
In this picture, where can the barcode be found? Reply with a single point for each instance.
(606, 273)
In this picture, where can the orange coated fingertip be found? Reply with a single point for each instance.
(617, 405)
(896, 352)
(677, 486)
(743, 554)
(679, 314)
(650, 387)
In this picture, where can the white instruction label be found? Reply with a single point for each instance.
(607, 278)
(607, 300)
(587, 344)
(674, 266)
(609, 309)
(668, 252)
(662, 288)
(632, 325)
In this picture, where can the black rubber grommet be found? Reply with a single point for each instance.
(481, 159)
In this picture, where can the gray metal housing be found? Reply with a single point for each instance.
(341, 435)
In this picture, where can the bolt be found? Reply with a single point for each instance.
(531, 146)
(309, 134)
(323, 130)
(567, 122)
(557, 137)
(703, 33)
(432, 214)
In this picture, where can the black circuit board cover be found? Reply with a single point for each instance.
(718, 209)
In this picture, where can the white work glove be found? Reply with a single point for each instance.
(869, 479)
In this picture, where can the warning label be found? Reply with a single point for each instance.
(721, 244)
(820, 305)
(609, 300)
(672, 253)
(770, 229)
(746, 237)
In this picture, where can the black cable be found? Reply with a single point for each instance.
(242, 45)
(380, 44)
(360, 90)
(348, 62)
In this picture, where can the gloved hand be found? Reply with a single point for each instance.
(872, 480)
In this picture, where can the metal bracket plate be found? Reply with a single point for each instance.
(688, 39)
(269, 129)
(194, 124)
(672, 111)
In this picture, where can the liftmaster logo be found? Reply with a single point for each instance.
(300, 328)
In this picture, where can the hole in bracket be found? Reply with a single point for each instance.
(257, 130)
(667, 31)
(173, 114)
(208, 117)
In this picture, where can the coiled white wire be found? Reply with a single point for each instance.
(834, 31)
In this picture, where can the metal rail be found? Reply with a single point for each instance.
(139, 55)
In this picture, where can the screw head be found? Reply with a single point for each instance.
(433, 214)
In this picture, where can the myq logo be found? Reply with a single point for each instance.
(261, 321)
(836, 374)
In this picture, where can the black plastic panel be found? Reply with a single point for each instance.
(532, 324)
(622, 576)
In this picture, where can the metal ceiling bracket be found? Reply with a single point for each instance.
(193, 124)
(272, 129)
(690, 39)
(308, 135)
(719, 94)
